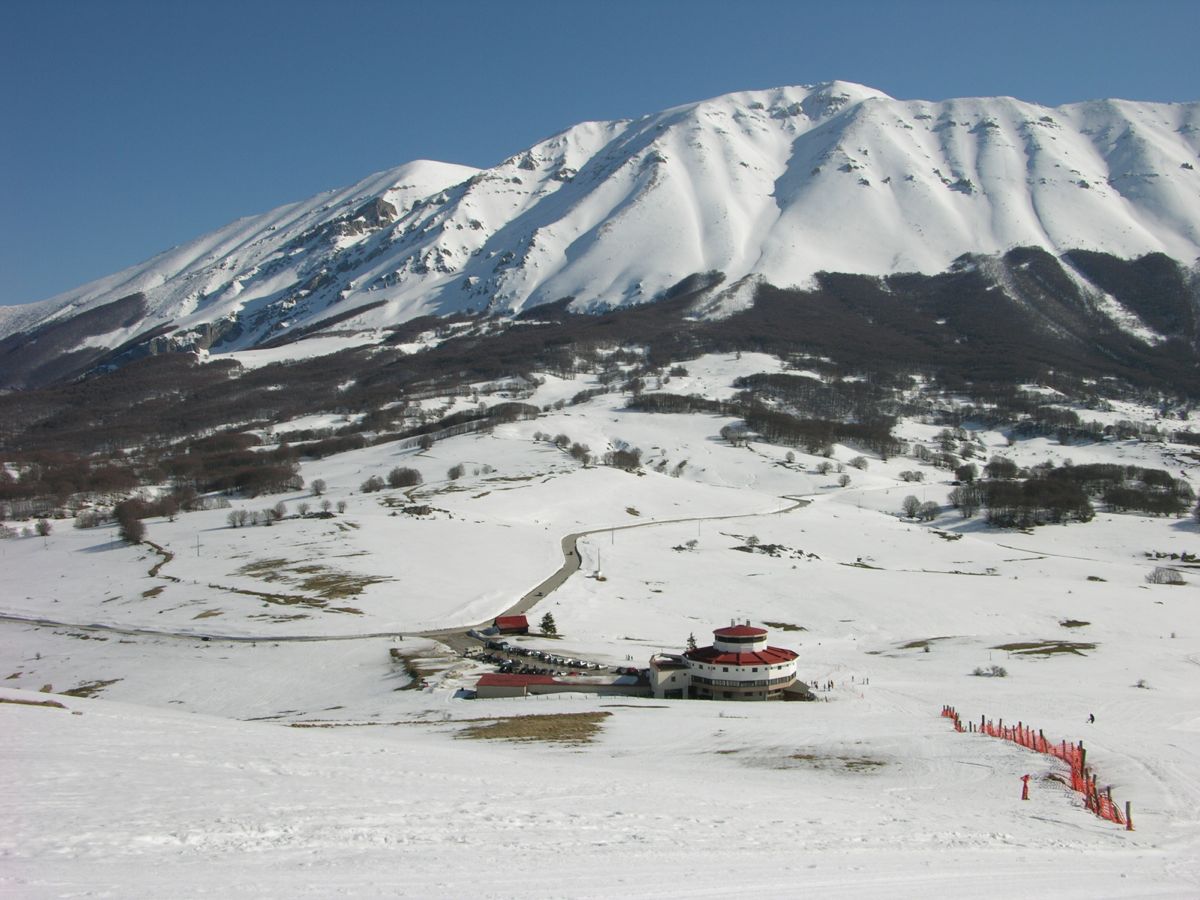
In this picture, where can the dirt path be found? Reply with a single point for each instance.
(196, 635)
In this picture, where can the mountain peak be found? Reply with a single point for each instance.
(764, 186)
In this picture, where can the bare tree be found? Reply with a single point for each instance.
(1164, 575)
(318, 487)
(129, 522)
(910, 506)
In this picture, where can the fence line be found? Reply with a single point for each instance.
(1083, 779)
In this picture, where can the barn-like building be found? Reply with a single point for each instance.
(737, 666)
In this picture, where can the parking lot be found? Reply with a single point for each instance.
(512, 658)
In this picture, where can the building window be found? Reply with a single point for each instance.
(725, 669)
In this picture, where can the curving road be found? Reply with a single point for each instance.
(456, 637)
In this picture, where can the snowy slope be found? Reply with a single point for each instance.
(770, 185)
(157, 789)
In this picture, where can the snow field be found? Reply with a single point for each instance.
(158, 788)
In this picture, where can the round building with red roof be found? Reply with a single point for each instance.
(739, 666)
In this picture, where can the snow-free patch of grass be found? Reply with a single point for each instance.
(569, 728)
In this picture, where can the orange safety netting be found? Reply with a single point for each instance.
(1083, 779)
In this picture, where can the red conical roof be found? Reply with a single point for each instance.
(740, 631)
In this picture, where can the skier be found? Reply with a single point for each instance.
(1091, 718)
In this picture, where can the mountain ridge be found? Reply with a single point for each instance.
(764, 187)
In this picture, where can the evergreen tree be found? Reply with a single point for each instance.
(548, 626)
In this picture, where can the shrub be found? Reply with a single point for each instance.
(735, 434)
(991, 672)
(456, 472)
(1164, 575)
(90, 518)
(372, 484)
(128, 514)
(628, 458)
(1001, 468)
(403, 477)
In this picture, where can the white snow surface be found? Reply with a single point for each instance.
(183, 778)
(771, 185)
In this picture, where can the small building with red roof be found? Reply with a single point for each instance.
(502, 684)
(738, 665)
(511, 624)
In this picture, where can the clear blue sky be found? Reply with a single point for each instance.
(127, 127)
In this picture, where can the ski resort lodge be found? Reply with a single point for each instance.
(737, 666)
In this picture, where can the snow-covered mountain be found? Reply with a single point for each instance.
(764, 186)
